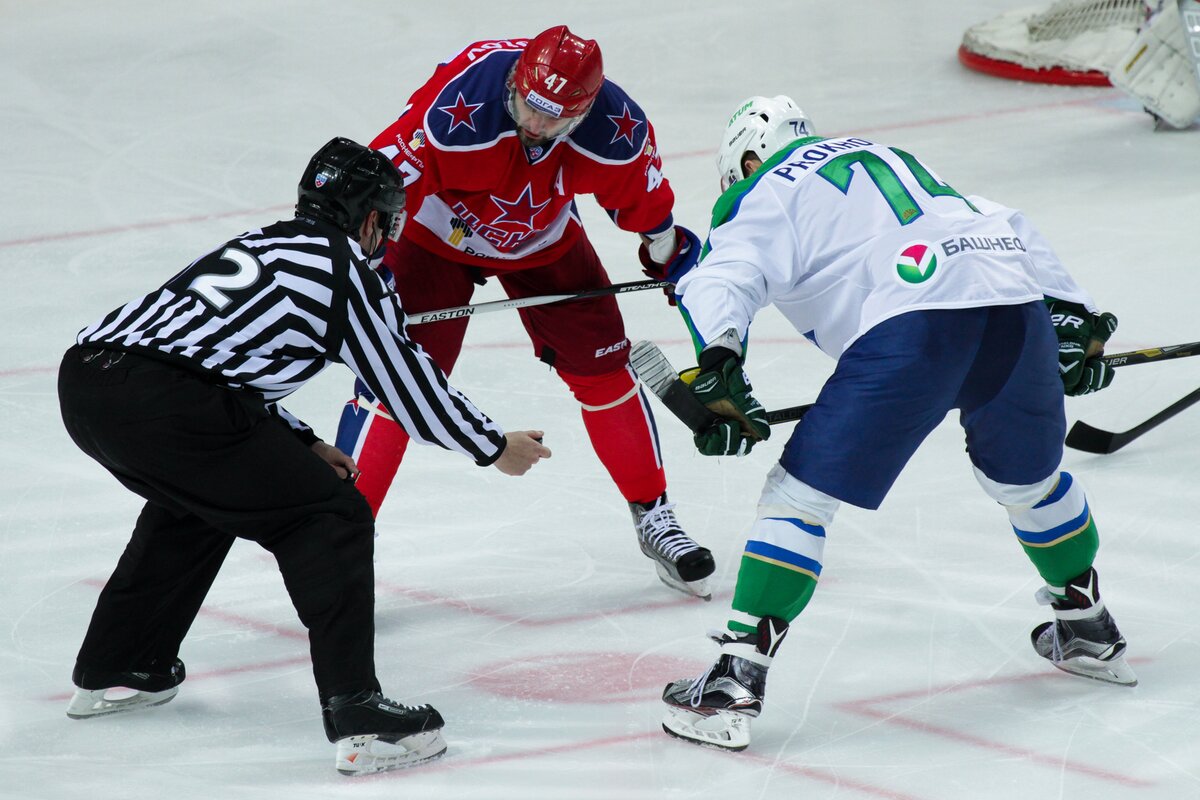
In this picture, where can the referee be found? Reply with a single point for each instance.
(176, 393)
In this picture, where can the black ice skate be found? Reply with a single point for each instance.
(1083, 639)
(716, 708)
(98, 693)
(374, 733)
(681, 563)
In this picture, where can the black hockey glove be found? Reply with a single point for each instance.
(722, 386)
(1081, 338)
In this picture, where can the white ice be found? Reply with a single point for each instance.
(136, 135)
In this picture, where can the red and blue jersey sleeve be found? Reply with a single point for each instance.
(618, 162)
(459, 107)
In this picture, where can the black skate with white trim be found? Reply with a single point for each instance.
(1083, 639)
(715, 709)
(681, 563)
(99, 692)
(374, 734)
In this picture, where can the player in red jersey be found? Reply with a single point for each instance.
(494, 149)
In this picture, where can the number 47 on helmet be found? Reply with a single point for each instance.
(554, 83)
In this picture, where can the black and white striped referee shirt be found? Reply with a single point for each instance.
(267, 311)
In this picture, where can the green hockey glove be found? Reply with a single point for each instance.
(723, 387)
(1081, 338)
(723, 438)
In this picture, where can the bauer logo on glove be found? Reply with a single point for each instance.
(724, 388)
(1081, 339)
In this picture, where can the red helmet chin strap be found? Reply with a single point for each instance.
(559, 74)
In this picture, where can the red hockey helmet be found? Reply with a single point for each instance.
(559, 74)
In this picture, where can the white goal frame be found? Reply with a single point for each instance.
(1071, 42)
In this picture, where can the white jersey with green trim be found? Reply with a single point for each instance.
(843, 234)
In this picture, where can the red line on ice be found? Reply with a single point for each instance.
(237, 619)
(867, 708)
(919, 123)
(453, 764)
(433, 598)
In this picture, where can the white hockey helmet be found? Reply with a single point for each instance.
(761, 126)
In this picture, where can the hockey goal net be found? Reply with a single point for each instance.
(1069, 42)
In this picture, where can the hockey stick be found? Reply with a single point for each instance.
(1152, 354)
(654, 370)
(1093, 440)
(525, 302)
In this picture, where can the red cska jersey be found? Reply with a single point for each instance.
(476, 195)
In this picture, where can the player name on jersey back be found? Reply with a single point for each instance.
(801, 160)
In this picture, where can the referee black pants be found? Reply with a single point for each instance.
(214, 465)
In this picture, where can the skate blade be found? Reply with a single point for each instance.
(364, 755)
(1115, 671)
(698, 588)
(97, 702)
(725, 730)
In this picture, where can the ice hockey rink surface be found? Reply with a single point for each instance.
(138, 135)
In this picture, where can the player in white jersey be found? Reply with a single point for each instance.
(929, 301)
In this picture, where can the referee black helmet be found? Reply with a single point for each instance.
(345, 181)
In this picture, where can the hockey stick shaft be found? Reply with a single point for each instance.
(779, 416)
(680, 401)
(525, 302)
(1094, 440)
(654, 370)
(794, 413)
(1083, 436)
(1151, 354)
(1147, 356)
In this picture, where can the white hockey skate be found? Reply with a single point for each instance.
(363, 755)
(98, 702)
(100, 693)
(720, 728)
(715, 709)
(1083, 639)
(374, 734)
(681, 563)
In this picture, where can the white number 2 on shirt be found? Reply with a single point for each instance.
(212, 287)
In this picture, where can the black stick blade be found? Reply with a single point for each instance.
(1092, 440)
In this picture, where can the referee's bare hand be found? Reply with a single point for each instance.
(342, 464)
(524, 449)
